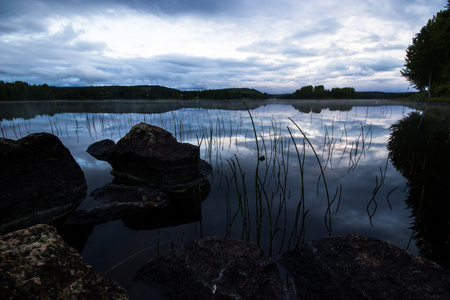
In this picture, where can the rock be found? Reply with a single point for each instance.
(40, 182)
(215, 267)
(118, 201)
(158, 181)
(101, 150)
(79, 225)
(36, 263)
(141, 196)
(149, 155)
(355, 267)
(139, 207)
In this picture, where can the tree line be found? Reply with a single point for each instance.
(226, 94)
(19, 90)
(319, 92)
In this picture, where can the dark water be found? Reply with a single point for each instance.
(383, 182)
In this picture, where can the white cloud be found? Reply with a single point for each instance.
(275, 46)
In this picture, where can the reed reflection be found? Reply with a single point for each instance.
(280, 201)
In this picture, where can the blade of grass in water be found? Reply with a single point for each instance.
(258, 200)
(328, 213)
(301, 203)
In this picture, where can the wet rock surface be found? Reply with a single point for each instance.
(355, 267)
(36, 263)
(139, 208)
(40, 181)
(215, 268)
(118, 201)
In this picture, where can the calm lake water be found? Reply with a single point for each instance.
(357, 187)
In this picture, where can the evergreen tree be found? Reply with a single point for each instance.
(427, 61)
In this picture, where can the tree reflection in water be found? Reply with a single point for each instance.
(419, 148)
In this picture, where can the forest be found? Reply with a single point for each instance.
(19, 90)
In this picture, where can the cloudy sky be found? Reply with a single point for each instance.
(271, 45)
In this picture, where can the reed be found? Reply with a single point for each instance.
(299, 234)
(328, 212)
(3, 130)
(241, 197)
(76, 128)
(258, 200)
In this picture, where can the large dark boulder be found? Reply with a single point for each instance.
(36, 263)
(149, 155)
(355, 267)
(40, 181)
(215, 268)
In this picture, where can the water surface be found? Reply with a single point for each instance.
(288, 204)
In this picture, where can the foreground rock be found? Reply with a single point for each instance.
(149, 155)
(35, 263)
(40, 181)
(215, 268)
(354, 267)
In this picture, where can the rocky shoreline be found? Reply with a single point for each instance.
(36, 263)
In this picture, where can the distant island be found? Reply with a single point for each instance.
(20, 90)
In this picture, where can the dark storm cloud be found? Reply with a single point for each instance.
(41, 9)
(62, 45)
(25, 17)
(22, 25)
(204, 7)
(18, 8)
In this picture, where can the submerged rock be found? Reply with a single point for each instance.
(215, 267)
(40, 181)
(139, 208)
(36, 263)
(118, 201)
(355, 267)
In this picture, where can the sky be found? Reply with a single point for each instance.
(273, 46)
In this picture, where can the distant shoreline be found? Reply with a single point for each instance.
(18, 91)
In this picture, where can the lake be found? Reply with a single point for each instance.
(316, 168)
